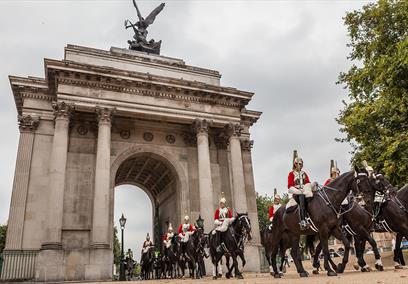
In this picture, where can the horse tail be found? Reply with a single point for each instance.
(310, 244)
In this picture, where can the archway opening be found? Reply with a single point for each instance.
(137, 207)
(156, 203)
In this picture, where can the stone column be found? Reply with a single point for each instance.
(201, 128)
(238, 182)
(101, 224)
(58, 161)
(27, 125)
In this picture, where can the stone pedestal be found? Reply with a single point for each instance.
(101, 264)
(50, 265)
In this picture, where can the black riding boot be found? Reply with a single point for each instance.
(302, 212)
(218, 241)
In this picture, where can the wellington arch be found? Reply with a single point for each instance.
(103, 118)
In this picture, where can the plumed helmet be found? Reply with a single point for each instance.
(186, 218)
(147, 236)
(170, 227)
(277, 196)
(223, 200)
(298, 160)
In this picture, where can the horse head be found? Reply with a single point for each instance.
(244, 224)
(361, 186)
(381, 184)
(200, 223)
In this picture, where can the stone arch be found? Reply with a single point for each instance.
(160, 156)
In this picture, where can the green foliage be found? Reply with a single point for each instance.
(3, 234)
(263, 202)
(116, 247)
(375, 118)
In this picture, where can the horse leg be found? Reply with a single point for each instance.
(360, 247)
(373, 243)
(316, 261)
(324, 239)
(398, 256)
(275, 272)
(236, 268)
(339, 235)
(295, 253)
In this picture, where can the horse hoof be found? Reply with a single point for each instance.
(219, 275)
(331, 273)
(227, 275)
(340, 268)
(304, 274)
(399, 267)
(315, 271)
(239, 276)
(379, 267)
(277, 275)
(281, 273)
(366, 269)
(272, 274)
(214, 277)
(356, 266)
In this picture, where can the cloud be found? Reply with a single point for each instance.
(288, 52)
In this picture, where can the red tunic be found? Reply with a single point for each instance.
(291, 179)
(190, 229)
(327, 181)
(217, 215)
(271, 212)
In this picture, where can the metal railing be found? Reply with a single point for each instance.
(18, 265)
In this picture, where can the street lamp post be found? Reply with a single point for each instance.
(122, 222)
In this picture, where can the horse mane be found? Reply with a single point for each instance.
(402, 194)
(340, 180)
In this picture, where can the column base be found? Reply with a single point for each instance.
(51, 246)
(74, 265)
(50, 265)
(253, 257)
(100, 266)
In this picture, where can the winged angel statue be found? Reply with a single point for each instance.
(140, 42)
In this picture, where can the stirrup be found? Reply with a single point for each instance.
(304, 225)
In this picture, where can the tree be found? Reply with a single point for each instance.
(375, 118)
(116, 247)
(3, 234)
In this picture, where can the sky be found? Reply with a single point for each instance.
(289, 53)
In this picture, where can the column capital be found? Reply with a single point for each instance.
(104, 114)
(221, 138)
(62, 110)
(233, 129)
(28, 122)
(247, 144)
(201, 126)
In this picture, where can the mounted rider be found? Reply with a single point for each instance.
(147, 244)
(334, 172)
(222, 219)
(184, 232)
(129, 254)
(273, 208)
(300, 187)
(167, 237)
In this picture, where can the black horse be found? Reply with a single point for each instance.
(358, 217)
(233, 237)
(146, 263)
(170, 259)
(394, 212)
(324, 212)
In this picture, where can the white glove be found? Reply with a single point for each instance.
(294, 190)
(270, 219)
(217, 222)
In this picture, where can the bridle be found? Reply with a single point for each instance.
(323, 194)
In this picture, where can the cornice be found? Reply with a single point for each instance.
(99, 74)
(139, 89)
